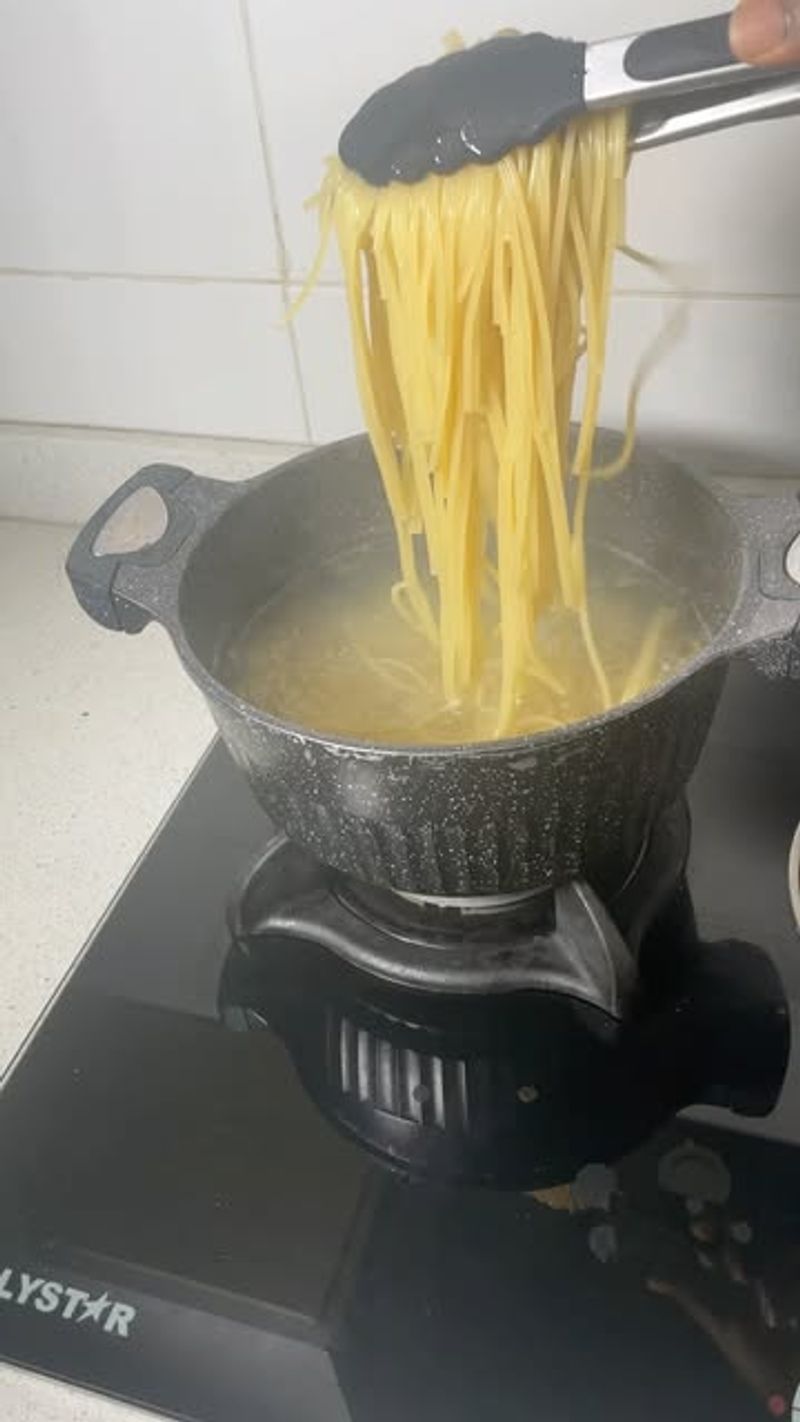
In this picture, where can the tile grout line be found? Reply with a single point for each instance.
(283, 257)
(290, 279)
(147, 278)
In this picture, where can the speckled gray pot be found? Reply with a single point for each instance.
(476, 819)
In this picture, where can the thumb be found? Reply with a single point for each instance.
(766, 31)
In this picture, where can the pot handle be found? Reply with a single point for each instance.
(771, 527)
(779, 549)
(124, 589)
(779, 584)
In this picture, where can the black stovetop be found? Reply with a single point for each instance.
(181, 1227)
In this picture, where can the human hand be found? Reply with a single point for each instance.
(766, 31)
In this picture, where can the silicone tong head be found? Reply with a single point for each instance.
(472, 106)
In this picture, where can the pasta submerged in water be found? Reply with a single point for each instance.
(473, 298)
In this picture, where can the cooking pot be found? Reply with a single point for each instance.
(461, 820)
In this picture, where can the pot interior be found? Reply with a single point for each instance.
(329, 504)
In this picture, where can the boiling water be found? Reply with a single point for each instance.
(330, 653)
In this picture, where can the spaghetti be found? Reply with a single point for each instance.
(472, 299)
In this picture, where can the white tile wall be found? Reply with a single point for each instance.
(204, 358)
(129, 141)
(171, 144)
(323, 339)
(725, 207)
(733, 378)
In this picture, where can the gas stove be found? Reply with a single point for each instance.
(287, 1148)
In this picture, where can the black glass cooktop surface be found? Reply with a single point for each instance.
(182, 1226)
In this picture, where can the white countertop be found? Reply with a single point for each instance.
(98, 731)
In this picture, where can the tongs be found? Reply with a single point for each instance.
(477, 104)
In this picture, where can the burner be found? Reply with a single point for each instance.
(506, 1041)
(188, 1221)
(560, 940)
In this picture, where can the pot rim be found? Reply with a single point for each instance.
(126, 592)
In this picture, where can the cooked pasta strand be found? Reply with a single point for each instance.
(472, 299)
